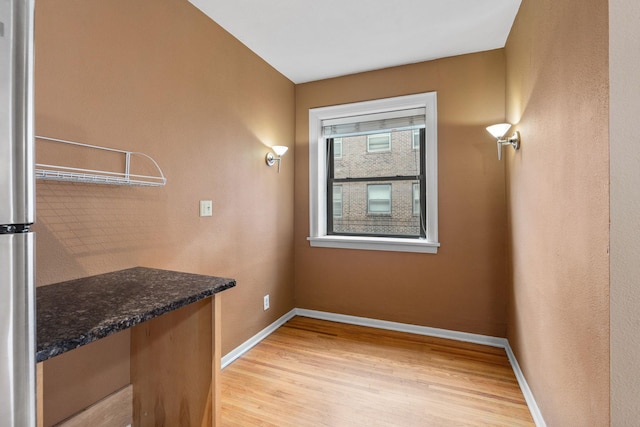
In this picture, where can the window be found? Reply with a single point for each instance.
(415, 139)
(379, 198)
(416, 199)
(337, 201)
(377, 190)
(379, 142)
(337, 148)
(373, 202)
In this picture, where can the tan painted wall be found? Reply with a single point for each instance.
(161, 78)
(624, 62)
(462, 287)
(558, 206)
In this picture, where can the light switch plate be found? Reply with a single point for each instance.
(206, 208)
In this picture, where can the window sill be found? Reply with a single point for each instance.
(375, 244)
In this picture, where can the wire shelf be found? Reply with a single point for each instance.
(70, 174)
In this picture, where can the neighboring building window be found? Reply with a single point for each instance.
(415, 141)
(337, 148)
(363, 201)
(379, 198)
(337, 201)
(379, 142)
(416, 198)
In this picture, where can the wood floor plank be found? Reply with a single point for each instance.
(317, 373)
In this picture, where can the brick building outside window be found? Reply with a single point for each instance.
(377, 207)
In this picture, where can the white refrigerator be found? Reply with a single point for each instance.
(17, 214)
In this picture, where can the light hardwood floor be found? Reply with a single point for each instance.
(317, 373)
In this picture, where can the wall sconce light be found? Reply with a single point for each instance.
(498, 131)
(279, 150)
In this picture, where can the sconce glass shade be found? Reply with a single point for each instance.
(271, 159)
(498, 130)
(279, 149)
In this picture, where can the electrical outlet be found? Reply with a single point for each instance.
(266, 302)
(206, 208)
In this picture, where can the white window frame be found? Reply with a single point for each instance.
(318, 177)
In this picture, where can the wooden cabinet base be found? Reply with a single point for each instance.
(175, 373)
(175, 365)
(39, 394)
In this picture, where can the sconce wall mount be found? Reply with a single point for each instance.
(279, 151)
(498, 131)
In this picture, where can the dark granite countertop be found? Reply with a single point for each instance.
(74, 313)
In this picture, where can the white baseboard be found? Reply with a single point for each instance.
(404, 327)
(251, 342)
(524, 386)
(400, 327)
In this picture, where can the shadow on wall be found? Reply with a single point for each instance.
(82, 227)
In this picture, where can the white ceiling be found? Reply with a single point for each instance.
(309, 40)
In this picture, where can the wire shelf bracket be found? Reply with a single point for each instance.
(70, 174)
